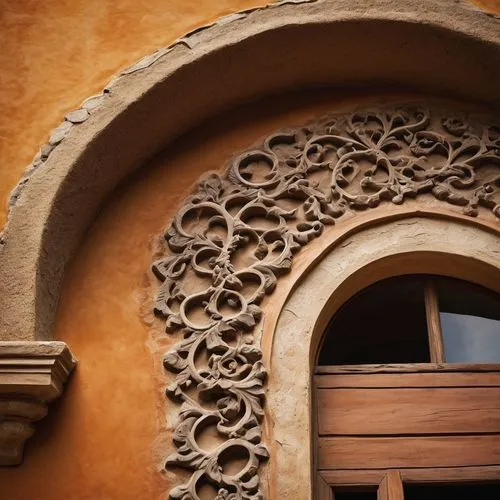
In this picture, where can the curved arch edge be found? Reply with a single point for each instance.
(87, 155)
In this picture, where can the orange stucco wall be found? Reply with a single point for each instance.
(488, 5)
(58, 52)
(107, 437)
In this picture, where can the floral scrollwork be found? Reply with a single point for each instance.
(234, 237)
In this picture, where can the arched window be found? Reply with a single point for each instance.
(407, 391)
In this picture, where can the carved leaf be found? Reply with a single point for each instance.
(174, 362)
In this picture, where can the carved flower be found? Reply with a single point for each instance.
(455, 125)
(426, 143)
(223, 494)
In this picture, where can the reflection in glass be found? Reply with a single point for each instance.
(470, 322)
(470, 338)
(387, 323)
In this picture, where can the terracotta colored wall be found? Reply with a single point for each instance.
(488, 5)
(58, 52)
(108, 436)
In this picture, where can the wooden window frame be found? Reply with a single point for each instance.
(389, 482)
(434, 330)
(436, 375)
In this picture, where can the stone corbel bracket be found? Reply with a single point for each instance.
(32, 374)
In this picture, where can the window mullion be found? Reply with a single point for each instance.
(433, 323)
(391, 487)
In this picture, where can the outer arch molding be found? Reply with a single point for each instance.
(285, 45)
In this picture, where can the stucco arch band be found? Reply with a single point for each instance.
(437, 46)
(387, 248)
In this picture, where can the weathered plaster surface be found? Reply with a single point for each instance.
(105, 316)
(44, 77)
(100, 313)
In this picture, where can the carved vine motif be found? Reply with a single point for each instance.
(239, 232)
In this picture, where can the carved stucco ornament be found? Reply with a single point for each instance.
(239, 232)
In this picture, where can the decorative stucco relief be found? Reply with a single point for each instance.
(234, 237)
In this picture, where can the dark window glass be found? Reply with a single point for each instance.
(384, 323)
(470, 322)
(452, 492)
(354, 495)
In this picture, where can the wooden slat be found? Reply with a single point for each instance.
(408, 411)
(451, 475)
(452, 379)
(400, 452)
(383, 490)
(433, 323)
(372, 477)
(343, 477)
(391, 487)
(407, 368)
